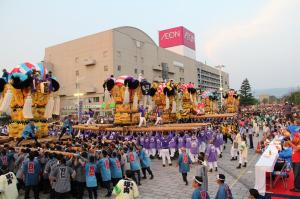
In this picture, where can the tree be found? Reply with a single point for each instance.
(246, 97)
(273, 99)
(293, 97)
(265, 101)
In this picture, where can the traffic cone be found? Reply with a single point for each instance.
(258, 148)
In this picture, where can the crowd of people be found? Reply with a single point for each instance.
(119, 162)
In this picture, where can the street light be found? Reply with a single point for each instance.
(78, 95)
(221, 86)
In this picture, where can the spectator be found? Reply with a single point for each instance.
(184, 162)
(224, 191)
(253, 194)
(126, 188)
(202, 170)
(296, 161)
(198, 191)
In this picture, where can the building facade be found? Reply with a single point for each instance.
(82, 65)
(209, 77)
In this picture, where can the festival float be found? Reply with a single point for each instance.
(123, 94)
(126, 94)
(175, 100)
(231, 101)
(30, 94)
(210, 100)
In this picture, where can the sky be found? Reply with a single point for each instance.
(254, 39)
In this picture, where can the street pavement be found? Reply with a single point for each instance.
(168, 183)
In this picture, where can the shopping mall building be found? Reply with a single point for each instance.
(83, 64)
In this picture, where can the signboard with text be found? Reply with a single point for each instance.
(175, 37)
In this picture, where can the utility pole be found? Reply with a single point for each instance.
(221, 85)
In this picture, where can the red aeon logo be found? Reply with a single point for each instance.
(171, 35)
(175, 37)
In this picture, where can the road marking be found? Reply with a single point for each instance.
(243, 172)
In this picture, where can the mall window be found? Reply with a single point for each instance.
(142, 71)
(135, 59)
(119, 67)
(135, 71)
(96, 99)
(105, 68)
(181, 70)
(142, 59)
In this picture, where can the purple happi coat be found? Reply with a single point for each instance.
(218, 140)
(201, 137)
(188, 140)
(181, 142)
(209, 135)
(147, 142)
(173, 143)
(152, 144)
(112, 136)
(127, 138)
(141, 140)
(158, 143)
(211, 153)
(194, 147)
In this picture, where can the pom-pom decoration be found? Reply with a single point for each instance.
(152, 91)
(55, 84)
(109, 84)
(2, 84)
(145, 87)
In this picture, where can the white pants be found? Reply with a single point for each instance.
(142, 121)
(165, 155)
(172, 150)
(233, 152)
(202, 147)
(242, 160)
(158, 120)
(90, 121)
(159, 152)
(219, 150)
(188, 151)
(148, 151)
(153, 152)
(212, 165)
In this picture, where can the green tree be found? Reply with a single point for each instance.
(265, 101)
(246, 97)
(273, 99)
(294, 97)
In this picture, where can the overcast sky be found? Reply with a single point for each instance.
(257, 39)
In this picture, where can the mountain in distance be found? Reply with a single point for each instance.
(278, 92)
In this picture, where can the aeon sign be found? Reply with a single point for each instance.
(175, 37)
